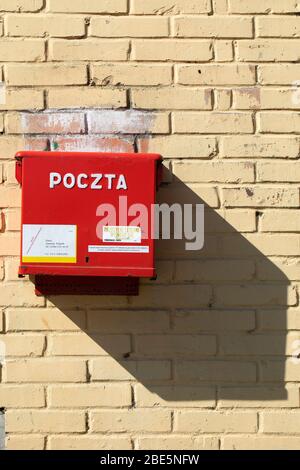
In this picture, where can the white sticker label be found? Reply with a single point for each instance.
(118, 249)
(49, 243)
(122, 234)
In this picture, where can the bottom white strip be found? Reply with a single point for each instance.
(118, 249)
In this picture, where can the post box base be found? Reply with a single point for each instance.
(46, 285)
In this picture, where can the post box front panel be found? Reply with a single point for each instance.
(68, 222)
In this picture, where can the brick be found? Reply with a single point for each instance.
(21, 345)
(279, 319)
(212, 123)
(89, 6)
(283, 74)
(84, 345)
(259, 147)
(264, 98)
(215, 421)
(82, 396)
(257, 344)
(45, 370)
(280, 371)
(26, 442)
(184, 50)
(276, 268)
(223, 51)
(220, 6)
(216, 74)
(263, 6)
(20, 50)
(9, 174)
(254, 294)
(280, 221)
(46, 75)
(23, 99)
(284, 26)
(1, 277)
(44, 25)
(214, 270)
(90, 143)
(129, 26)
(213, 320)
(175, 345)
(12, 268)
(213, 26)
(280, 122)
(21, 5)
(267, 50)
(10, 197)
(175, 396)
(223, 99)
(214, 172)
(1, 123)
(172, 98)
(278, 171)
(35, 421)
(179, 296)
(268, 244)
(128, 321)
(131, 421)
(260, 197)
(86, 97)
(189, 194)
(108, 368)
(9, 146)
(166, 273)
(286, 422)
(127, 122)
(180, 146)
(167, 249)
(22, 396)
(88, 301)
(261, 443)
(49, 123)
(177, 442)
(215, 371)
(44, 319)
(89, 442)
(88, 49)
(169, 7)
(17, 294)
(131, 74)
(259, 397)
(13, 219)
(224, 221)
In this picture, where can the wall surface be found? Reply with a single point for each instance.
(206, 356)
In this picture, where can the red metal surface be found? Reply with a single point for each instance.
(77, 206)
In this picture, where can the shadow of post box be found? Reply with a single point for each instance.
(87, 220)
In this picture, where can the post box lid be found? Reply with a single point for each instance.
(34, 153)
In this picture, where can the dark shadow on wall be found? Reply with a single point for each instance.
(212, 326)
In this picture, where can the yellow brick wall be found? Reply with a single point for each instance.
(204, 358)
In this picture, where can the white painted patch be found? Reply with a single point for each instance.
(106, 130)
(130, 121)
(89, 143)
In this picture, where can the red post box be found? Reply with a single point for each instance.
(87, 220)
